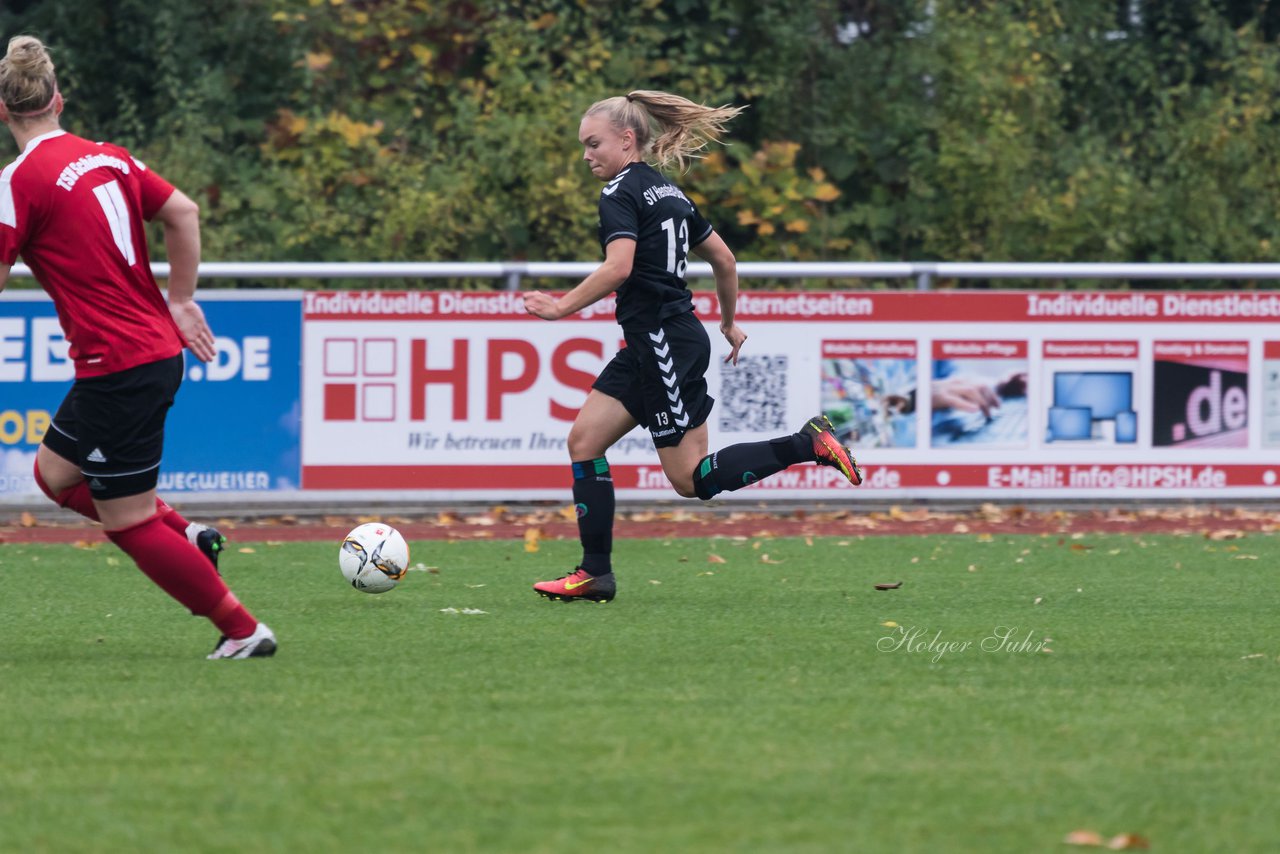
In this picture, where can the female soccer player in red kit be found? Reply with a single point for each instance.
(74, 210)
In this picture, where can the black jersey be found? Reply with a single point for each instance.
(642, 205)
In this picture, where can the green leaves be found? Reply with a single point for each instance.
(939, 129)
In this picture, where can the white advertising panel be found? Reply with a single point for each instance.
(958, 394)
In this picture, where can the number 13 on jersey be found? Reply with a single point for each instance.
(677, 246)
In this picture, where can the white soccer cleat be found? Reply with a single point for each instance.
(260, 644)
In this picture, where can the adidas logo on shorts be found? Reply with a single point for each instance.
(96, 456)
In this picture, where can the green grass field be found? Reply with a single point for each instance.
(766, 703)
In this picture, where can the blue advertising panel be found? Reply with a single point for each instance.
(236, 423)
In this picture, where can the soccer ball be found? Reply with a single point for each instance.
(374, 557)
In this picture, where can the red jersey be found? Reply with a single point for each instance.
(74, 210)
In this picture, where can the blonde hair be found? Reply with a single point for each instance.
(684, 128)
(27, 81)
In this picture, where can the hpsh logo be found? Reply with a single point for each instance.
(390, 379)
(359, 379)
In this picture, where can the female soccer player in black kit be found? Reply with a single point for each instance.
(647, 228)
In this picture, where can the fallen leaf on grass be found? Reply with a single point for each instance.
(889, 624)
(766, 559)
(889, 585)
(1128, 842)
(1080, 547)
(1084, 837)
(245, 550)
(899, 515)
(1224, 534)
(654, 581)
(715, 558)
(531, 537)
(1245, 557)
(992, 512)
(1252, 655)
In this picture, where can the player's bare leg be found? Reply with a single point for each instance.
(681, 461)
(63, 482)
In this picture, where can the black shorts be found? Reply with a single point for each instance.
(113, 427)
(660, 377)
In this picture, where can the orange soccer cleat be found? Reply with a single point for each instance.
(579, 586)
(828, 450)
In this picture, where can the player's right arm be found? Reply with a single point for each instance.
(619, 257)
(180, 218)
(4, 275)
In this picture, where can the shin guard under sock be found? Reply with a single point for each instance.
(181, 570)
(594, 501)
(741, 465)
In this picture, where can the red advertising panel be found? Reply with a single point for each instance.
(950, 393)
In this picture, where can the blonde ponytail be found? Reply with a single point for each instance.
(684, 128)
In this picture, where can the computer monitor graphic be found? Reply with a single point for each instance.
(1070, 422)
(1081, 397)
(1126, 427)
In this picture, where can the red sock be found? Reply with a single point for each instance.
(180, 570)
(79, 499)
(171, 517)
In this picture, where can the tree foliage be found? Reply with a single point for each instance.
(1081, 130)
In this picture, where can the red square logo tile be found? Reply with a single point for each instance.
(340, 402)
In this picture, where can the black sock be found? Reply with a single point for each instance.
(741, 465)
(594, 501)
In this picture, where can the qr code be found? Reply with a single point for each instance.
(753, 395)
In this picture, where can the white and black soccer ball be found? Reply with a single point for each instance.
(374, 557)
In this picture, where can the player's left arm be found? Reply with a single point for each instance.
(619, 257)
(724, 267)
(4, 275)
(180, 218)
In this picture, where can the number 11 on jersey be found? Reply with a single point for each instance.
(111, 197)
